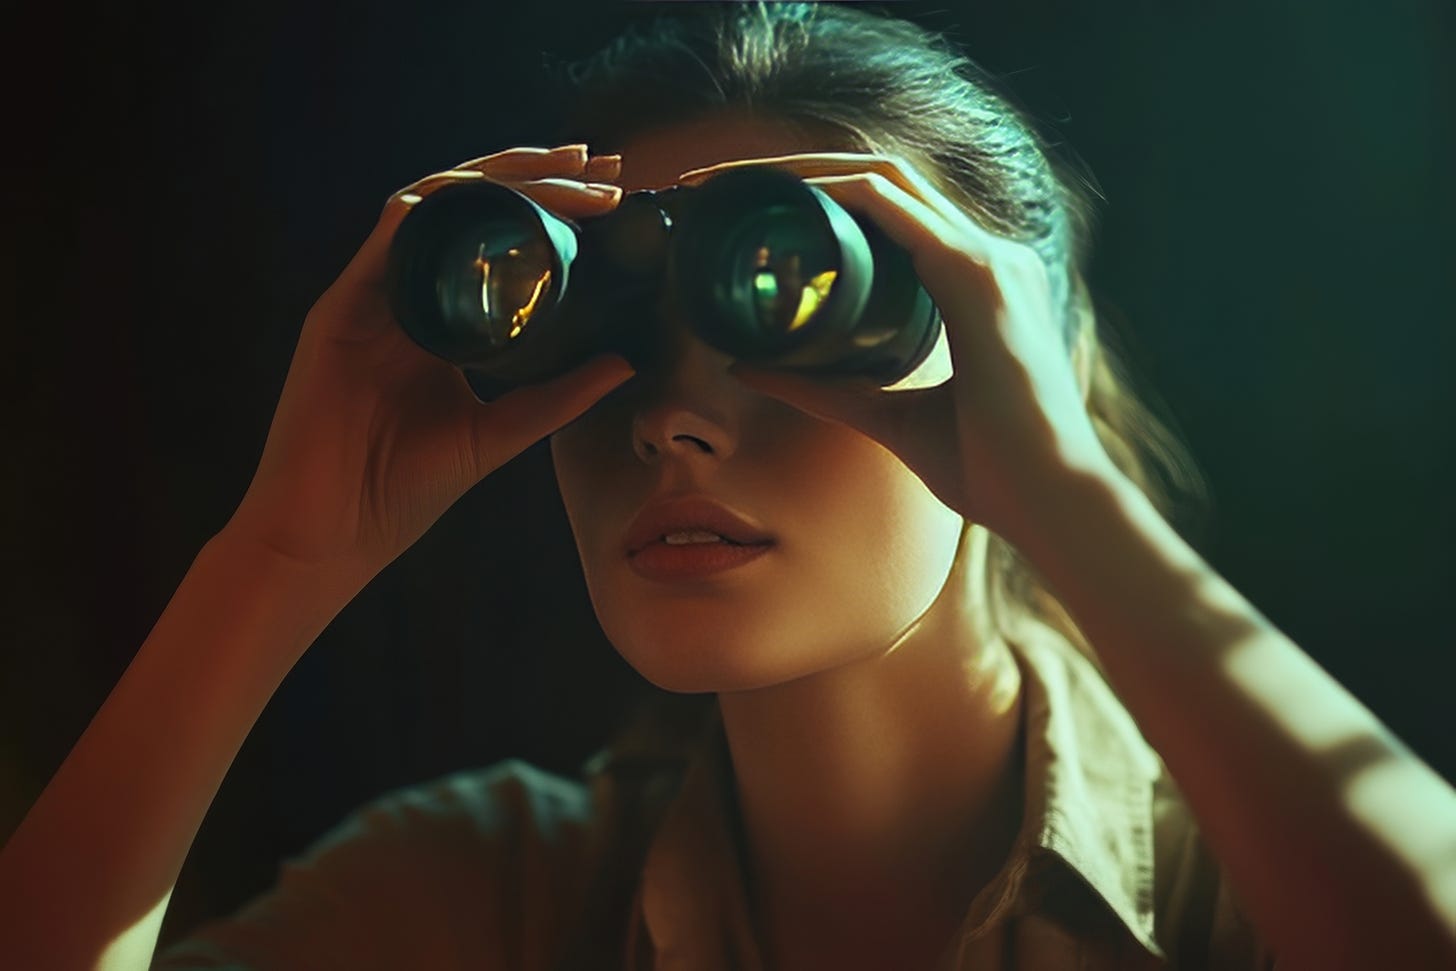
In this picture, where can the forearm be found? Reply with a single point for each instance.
(1330, 830)
(87, 874)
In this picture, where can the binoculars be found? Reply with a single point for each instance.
(759, 264)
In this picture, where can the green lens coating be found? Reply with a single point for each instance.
(780, 268)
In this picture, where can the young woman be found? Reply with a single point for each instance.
(975, 704)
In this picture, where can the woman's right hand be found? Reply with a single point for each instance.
(374, 437)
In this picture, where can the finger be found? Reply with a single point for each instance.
(366, 269)
(951, 262)
(695, 176)
(567, 197)
(573, 196)
(848, 401)
(415, 191)
(365, 273)
(855, 160)
(570, 160)
(571, 192)
(897, 170)
(603, 168)
(528, 161)
(971, 275)
(905, 218)
(912, 424)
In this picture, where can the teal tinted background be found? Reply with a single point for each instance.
(184, 181)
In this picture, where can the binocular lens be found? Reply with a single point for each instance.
(775, 269)
(490, 281)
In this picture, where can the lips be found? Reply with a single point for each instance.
(685, 513)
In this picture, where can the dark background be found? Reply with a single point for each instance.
(183, 181)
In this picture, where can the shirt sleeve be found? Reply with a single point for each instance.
(1201, 921)
(479, 869)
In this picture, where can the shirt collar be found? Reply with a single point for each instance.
(1090, 777)
(1088, 814)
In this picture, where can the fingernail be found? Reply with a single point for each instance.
(576, 149)
(604, 189)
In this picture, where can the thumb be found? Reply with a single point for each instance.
(518, 419)
(851, 401)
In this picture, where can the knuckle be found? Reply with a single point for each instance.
(899, 169)
(530, 160)
(417, 190)
(962, 259)
(398, 199)
(896, 163)
(879, 182)
(959, 251)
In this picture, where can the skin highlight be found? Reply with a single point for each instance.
(872, 713)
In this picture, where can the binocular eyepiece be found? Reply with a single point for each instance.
(762, 266)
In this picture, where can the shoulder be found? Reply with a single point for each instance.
(450, 872)
(475, 830)
(506, 799)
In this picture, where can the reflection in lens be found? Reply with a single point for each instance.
(784, 267)
(492, 279)
(780, 292)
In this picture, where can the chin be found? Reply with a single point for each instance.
(698, 648)
(756, 633)
(692, 658)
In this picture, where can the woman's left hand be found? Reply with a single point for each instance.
(1012, 414)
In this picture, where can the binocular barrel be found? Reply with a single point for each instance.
(762, 266)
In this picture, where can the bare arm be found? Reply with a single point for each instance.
(1337, 838)
(85, 879)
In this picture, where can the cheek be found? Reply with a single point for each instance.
(866, 550)
(599, 439)
(566, 460)
(578, 460)
(884, 540)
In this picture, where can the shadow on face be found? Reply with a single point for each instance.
(861, 546)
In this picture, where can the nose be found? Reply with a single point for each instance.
(689, 407)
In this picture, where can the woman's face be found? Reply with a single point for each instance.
(861, 546)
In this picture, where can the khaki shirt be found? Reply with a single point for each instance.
(513, 867)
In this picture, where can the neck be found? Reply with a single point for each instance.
(883, 794)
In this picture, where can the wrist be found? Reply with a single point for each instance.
(256, 567)
(1055, 493)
